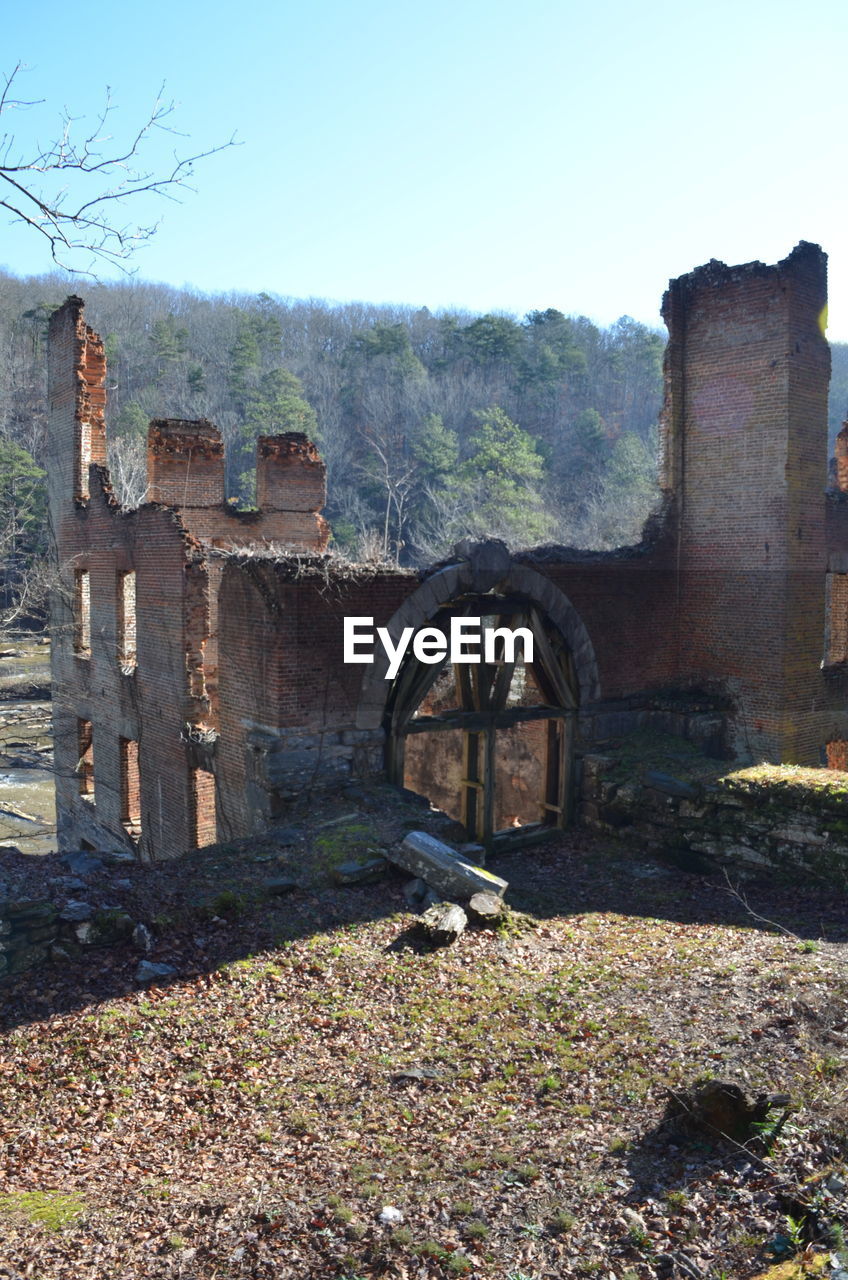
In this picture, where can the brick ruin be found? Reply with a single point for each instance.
(199, 685)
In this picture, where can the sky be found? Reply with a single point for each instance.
(482, 155)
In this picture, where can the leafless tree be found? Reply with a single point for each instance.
(127, 456)
(72, 191)
(396, 472)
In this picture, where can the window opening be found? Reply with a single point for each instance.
(82, 613)
(203, 804)
(85, 761)
(126, 620)
(130, 788)
(84, 458)
(836, 618)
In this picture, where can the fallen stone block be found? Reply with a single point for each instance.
(443, 923)
(279, 886)
(486, 908)
(414, 891)
(443, 869)
(360, 872)
(670, 785)
(149, 971)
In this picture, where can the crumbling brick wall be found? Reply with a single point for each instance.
(239, 694)
(139, 672)
(746, 453)
(288, 701)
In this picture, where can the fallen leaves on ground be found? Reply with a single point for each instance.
(506, 1095)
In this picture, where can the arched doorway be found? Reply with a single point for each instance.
(491, 743)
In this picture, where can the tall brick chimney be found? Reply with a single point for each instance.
(745, 454)
(76, 388)
(290, 475)
(185, 463)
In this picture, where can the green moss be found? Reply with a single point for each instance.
(50, 1208)
(561, 1221)
(228, 905)
(343, 843)
(791, 784)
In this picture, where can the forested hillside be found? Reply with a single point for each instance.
(433, 426)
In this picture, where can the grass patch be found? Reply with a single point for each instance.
(51, 1209)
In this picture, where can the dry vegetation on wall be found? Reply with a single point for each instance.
(313, 1065)
(331, 568)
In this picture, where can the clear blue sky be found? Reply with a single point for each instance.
(482, 154)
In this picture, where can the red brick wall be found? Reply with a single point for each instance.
(169, 697)
(130, 783)
(281, 668)
(77, 400)
(728, 595)
(205, 828)
(628, 608)
(185, 464)
(290, 475)
(186, 470)
(748, 436)
(149, 706)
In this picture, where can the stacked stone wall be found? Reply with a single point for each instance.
(791, 820)
(34, 932)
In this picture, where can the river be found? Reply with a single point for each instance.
(27, 800)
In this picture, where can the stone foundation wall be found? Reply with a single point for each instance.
(791, 819)
(32, 933)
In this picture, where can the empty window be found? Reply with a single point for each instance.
(85, 762)
(126, 619)
(203, 797)
(82, 613)
(130, 788)
(836, 618)
(84, 458)
(490, 743)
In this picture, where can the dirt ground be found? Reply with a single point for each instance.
(316, 1092)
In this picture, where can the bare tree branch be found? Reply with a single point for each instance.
(72, 191)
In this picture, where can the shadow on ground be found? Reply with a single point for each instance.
(575, 875)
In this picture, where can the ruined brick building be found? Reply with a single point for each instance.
(199, 687)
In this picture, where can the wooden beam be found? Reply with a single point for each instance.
(483, 720)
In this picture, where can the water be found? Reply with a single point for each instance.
(25, 733)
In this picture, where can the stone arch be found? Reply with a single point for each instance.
(485, 566)
(498, 747)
